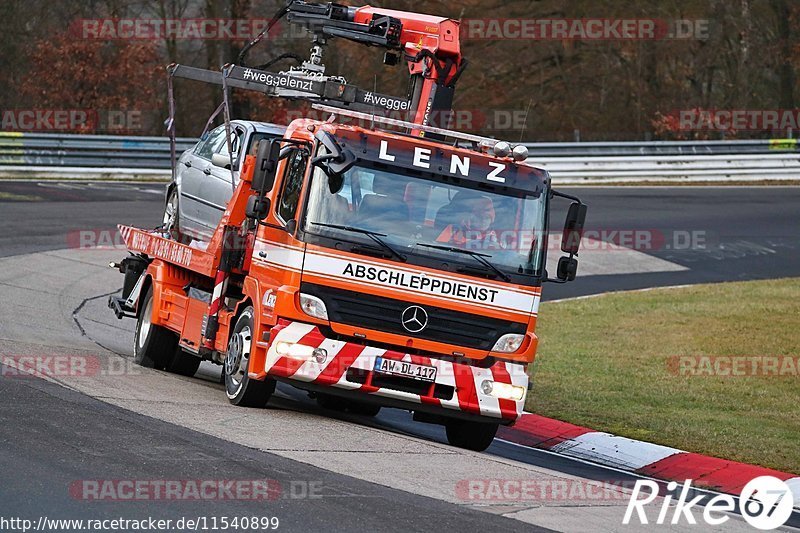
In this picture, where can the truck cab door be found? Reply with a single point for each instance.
(277, 255)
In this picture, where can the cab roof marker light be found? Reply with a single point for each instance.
(404, 124)
(485, 144)
(502, 149)
(520, 153)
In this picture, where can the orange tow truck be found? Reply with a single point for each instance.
(371, 261)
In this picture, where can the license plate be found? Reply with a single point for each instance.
(406, 370)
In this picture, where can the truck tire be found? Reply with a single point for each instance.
(475, 436)
(240, 389)
(153, 346)
(183, 363)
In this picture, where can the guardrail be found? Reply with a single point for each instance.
(93, 151)
(747, 167)
(662, 148)
(567, 162)
(748, 160)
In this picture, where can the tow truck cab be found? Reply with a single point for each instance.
(397, 271)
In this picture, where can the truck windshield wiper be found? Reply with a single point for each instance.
(375, 236)
(477, 255)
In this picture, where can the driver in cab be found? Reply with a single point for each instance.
(474, 216)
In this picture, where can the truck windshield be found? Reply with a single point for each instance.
(482, 232)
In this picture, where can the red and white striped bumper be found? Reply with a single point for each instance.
(457, 386)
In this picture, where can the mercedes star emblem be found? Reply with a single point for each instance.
(414, 319)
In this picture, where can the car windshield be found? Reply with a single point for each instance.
(421, 218)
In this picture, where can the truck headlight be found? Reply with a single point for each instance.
(504, 391)
(313, 306)
(508, 343)
(301, 351)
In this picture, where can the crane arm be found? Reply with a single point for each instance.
(430, 45)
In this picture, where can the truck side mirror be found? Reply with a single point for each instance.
(570, 239)
(343, 163)
(567, 268)
(269, 152)
(257, 207)
(573, 229)
(336, 162)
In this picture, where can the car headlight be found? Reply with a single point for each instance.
(508, 343)
(313, 306)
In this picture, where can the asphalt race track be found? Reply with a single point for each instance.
(99, 441)
(733, 233)
(717, 234)
(337, 472)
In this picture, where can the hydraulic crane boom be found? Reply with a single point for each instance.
(433, 53)
(430, 45)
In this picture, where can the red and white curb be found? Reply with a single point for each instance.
(644, 458)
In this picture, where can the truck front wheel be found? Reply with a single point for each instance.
(242, 390)
(475, 436)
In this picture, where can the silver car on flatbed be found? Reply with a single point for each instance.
(197, 198)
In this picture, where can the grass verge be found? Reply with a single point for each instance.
(612, 363)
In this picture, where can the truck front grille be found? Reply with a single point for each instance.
(383, 314)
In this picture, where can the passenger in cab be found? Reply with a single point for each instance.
(466, 222)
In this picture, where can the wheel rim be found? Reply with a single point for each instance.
(144, 323)
(170, 212)
(238, 358)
